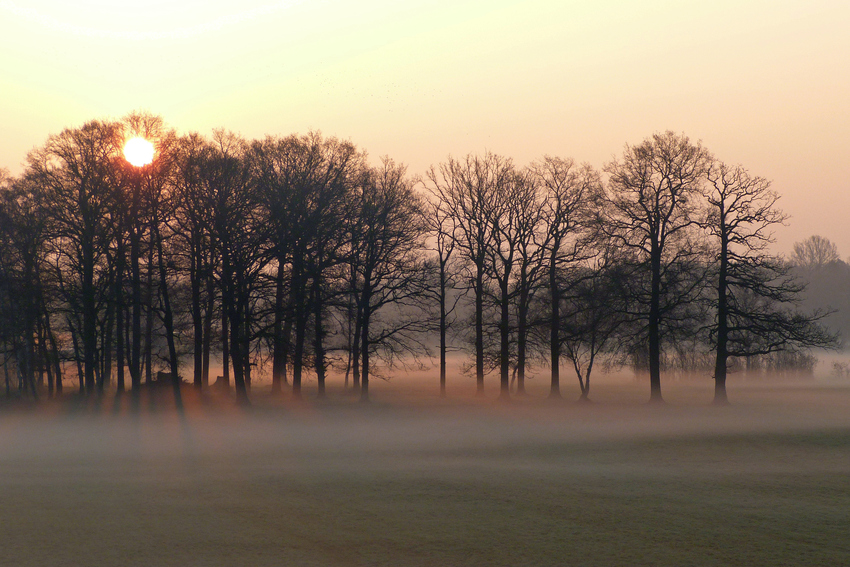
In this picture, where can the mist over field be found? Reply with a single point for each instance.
(412, 479)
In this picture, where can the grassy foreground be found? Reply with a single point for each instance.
(464, 482)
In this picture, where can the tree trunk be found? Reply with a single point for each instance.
(136, 332)
(149, 319)
(522, 336)
(168, 318)
(118, 294)
(479, 326)
(208, 319)
(654, 327)
(197, 317)
(365, 302)
(318, 346)
(722, 326)
(279, 356)
(300, 311)
(225, 346)
(505, 345)
(554, 331)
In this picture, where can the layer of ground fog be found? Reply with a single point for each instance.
(415, 480)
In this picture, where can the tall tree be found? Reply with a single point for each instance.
(650, 207)
(237, 227)
(755, 295)
(442, 239)
(467, 188)
(569, 191)
(389, 222)
(74, 168)
(304, 183)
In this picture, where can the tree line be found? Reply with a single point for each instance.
(298, 255)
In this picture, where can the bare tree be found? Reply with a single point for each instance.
(443, 242)
(755, 295)
(391, 231)
(238, 235)
(467, 188)
(74, 168)
(814, 252)
(193, 214)
(649, 208)
(569, 192)
(595, 312)
(305, 184)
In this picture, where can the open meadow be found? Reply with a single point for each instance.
(411, 479)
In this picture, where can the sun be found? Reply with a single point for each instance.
(138, 151)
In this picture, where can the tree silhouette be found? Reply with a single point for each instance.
(650, 208)
(754, 293)
(814, 252)
(570, 192)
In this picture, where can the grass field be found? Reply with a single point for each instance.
(414, 480)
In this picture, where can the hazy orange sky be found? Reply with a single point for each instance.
(761, 83)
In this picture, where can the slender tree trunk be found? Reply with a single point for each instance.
(75, 342)
(54, 350)
(168, 317)
(722, 326)
(195, 281)
(225, 345)
(554, 329)
(118, 295)
(654, 327)
(300, 311)
(149, 318)
(505, 345)
(365, 302)
(479, 326)
(522, 337)
(106, 349)
(443, 329)
(89, 318)
(136, 332)
(318, 345)
(236, 355)
(208, 319)
(279, 355)
(245, 307)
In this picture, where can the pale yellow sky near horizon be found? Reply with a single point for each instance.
(761, 83)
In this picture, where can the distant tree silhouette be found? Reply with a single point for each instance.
(305, 184)
(814, 252)
(237, 232)
(194, 233)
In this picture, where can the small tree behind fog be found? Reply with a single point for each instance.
(595, 313)
(814, 252)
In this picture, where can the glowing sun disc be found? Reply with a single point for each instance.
(138, 151)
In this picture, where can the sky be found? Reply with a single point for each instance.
(765, 84)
